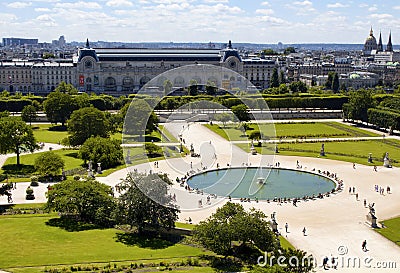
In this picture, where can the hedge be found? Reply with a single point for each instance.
(383, 118)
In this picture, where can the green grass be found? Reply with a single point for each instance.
(31, 242)
(43, 134)
(392, 231)
(28, 160)
(184, 225)
(285, 243)
(292, 130)
(349, 151)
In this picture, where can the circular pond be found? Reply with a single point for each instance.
(266, 183)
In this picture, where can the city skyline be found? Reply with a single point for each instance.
(201, 20)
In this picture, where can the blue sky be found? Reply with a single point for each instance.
(257, 21)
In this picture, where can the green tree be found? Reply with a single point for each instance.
(139, 118)
(224, 118)
(49, 164)
(90, 200)
(5, 189)
(231, 223)
(269, 52)
(298, 87)
(329, 81)
(359, 103)
(274, 81)
(16, 137)
(106, 151)
(241, 111)
(193, 88)
(58, 107)
(152, 149)
(256, 135)
(289, 50)
(335, 83)
(66, 88)
(282, 78)
(167, 87)
(145, 202)
(211, 88)
(85, 123)
(28, 114)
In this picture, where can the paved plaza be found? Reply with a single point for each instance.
(335, 225)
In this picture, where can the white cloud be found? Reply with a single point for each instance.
(19, 5)
(42, 9)
(337, 5)
(78, 5)
(7, 17)
(373, 8)
(381, 16)
(46, 20)
(119, 3)
(216, 1)
(304, 3)
(396, 7)
(265, 3)
(303, 8)
(265, 11)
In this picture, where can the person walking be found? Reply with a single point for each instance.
(286, 227)
(364, 245)
(304, 231)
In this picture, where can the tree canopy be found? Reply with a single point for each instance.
(231, 223)
(58, 107)
(49, 163)
(90, 200)
(108, 152)
(145, 202)
(28, 114)
(274, 81)
(85, 123)
(359, 103)
(16, 137)
(139, 118)
(241, 111)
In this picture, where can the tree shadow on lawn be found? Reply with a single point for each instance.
(147, 240)
(71, 225)
(15, 169)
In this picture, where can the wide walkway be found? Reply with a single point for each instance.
(18, 194)
(335, 225)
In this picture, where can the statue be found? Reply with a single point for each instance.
(386, 161)
(128, 157)
(90, 170)
(99, 168)
(371, 218)
(370, 158)
(322, 153)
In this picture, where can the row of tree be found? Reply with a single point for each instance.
(94, 202)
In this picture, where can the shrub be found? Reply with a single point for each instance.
(29, 194)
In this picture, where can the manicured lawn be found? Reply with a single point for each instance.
(350, 151)
(43, 134)
(291, 130)
(29, 241)
(69, 156)
(392, 231)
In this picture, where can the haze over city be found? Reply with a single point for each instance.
(254, 21)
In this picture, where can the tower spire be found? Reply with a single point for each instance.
(389, 46)
(380, 46)
(87, 43)
(371, 32)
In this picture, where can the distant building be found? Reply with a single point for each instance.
(19, 41)
(126, 70)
